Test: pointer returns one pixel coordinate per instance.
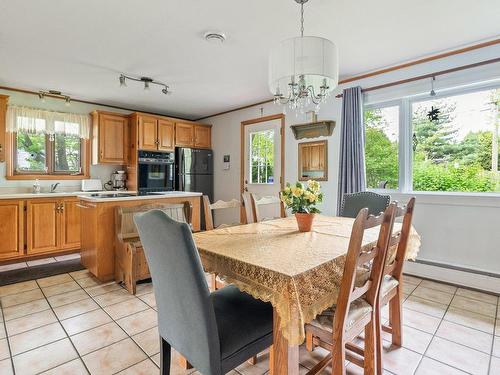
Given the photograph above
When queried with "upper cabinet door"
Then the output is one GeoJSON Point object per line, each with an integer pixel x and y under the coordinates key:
{"type": "Point", "coordinates": [166, 135]}
{"type": "Point", "coordinates": [148, 133]}
{"type": "Point", "coordinates": [11, 229]}
{"type": "Point", "coordinates": [112, 133]}
{"type": "Point", "coordinates": [202, 136]}
{"type": "Point", "coordinates": [184, 134]}
{"type": "Point", "coordinates": [43, 225]}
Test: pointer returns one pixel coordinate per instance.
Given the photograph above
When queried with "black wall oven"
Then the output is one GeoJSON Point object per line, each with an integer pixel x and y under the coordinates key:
{"type": "Point", "coordinates": [155, 171]}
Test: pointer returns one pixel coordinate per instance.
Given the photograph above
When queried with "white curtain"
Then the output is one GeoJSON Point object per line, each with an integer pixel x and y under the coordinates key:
{"type": "Point", "coordinates": [40, 121]}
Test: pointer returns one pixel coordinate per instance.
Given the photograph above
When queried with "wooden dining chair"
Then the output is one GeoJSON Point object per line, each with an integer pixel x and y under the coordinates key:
{"type": "Point", "coordinates": [391, 291]}
{"type": "Point", "coordinates": [337, 327]}
{"type": "Point", "coordinates": [215, 332]}
{"type": "Point", "coordinates": [268, 200]}
{"type": "Point", "coordinates": [246, 199]}
{"type": "Point", "coordinates": [352, 203]}
{"type": "Point", "coordinates": [208, 209]}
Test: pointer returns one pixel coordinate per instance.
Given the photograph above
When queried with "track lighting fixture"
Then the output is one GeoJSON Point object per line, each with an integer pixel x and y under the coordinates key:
{"type": "Point", "coordinates": [42, 94]}
{"type": "Point", "coordinates": [147, 83]}
{"type": "Point", "coordinates": [432, 93]}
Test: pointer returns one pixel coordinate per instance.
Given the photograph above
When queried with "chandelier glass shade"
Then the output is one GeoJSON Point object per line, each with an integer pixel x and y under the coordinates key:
{"type": "Point", "coordinates": [303, 70]}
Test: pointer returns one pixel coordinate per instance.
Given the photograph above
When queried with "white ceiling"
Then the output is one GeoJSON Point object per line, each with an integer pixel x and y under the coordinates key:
{"type": "Point", "coordinates": [81, 47]}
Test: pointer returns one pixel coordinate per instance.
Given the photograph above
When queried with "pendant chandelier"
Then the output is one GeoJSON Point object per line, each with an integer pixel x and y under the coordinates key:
{"type": "Point", "coordinates": [303, 70]}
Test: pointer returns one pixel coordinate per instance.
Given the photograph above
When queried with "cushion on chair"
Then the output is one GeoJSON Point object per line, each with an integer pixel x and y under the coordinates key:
{"type": "Point", "coordinates": [358, 310]}
{"type": "Point", "coordinates": [245, 325]}
{"type": "Point", "coordinates": [388, 284]}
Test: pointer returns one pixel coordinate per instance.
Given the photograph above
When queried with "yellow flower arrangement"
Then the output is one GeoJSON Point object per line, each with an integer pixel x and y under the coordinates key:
{"type": "Point", "coordinates": [302, 198]}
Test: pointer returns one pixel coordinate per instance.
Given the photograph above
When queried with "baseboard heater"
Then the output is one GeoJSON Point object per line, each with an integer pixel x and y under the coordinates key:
{"type": "Point", "coordinates": [456, 268]}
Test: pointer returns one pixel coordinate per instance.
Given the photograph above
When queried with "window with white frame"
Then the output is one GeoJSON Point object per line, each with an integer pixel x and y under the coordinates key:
{"type": "Point", "coordinates": [451, 142]}
{"type": "Point", "coordinates": [262, 157]}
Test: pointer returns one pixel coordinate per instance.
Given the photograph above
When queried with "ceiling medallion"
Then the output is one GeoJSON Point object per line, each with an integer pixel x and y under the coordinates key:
{"type": "Point", "coordinates": [303, 70]}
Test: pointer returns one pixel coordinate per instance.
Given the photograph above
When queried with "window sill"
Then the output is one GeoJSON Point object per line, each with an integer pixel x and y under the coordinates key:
{"type": "Point", "coordinates": [46, 177]}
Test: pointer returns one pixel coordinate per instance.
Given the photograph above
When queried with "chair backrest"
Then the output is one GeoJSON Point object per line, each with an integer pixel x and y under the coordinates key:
{"type": "Point", "coordinates": [219, 205]}
{"type": "Point", "coordinates": [186, 317]}
{"type": "Point", "coordinates": [246, 198]}
{"type": "Point", "coordinates": [394, 264]}
{"type": "Point", "coordinates": [126, 230]}
{"type": "Point", "coordinates": [258, 202]}
{"type": "Point", "coordinates": [359, 256]}
{"type": "Point", "coordinates": [353, 203]}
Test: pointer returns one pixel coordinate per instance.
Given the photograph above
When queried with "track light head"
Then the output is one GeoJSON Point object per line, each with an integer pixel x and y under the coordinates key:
{"type": "Point", "coordinates": [122, 81]}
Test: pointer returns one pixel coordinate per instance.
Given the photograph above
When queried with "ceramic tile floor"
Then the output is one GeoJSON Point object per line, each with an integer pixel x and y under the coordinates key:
{"type": "Point", "coordinates": [72, 324]}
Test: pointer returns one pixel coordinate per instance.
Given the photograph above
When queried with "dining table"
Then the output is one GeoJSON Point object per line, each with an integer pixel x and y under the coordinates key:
{"type": "Point", "coordinates": [299, 273]}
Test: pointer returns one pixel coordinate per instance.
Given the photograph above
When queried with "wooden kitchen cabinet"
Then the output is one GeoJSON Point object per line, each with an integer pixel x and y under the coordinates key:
{"type": "Point", "coordinates": [11, 228]}
{"type": "Point", "coordinates": [43, 225]}
{"type": "Point", "coordinates": [52, 225]}
{"type": "Point", "coordinates": [70, 224]}
{"type": "Point", "coordinates": [184, 134]}
{"type": "Point", "coordinates": [3, 136]}
{"type": "Point", "coordinates": [202, 136]}
{"type": "Point", "coordinates": [148, 133]}
{"type": "Point", "coordinates": [110, 132]}
{"type": "Point", "coordinates": [154, 133]}
{"type": "Point", "coordinates": [166, 135]}
{"type": "Point", "coordinates": [313, 161]}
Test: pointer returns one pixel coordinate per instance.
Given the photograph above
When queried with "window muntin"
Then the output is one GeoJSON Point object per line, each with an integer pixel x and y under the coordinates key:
{"type": "Point", "coordinates": [454, 151]}
{"type": "Point", "coordinates": [48, 154]}
{"type": "Point", "coordinates": [262, 157]}
{"type": "Point", "coordinates": [468, 149]}
{"type": "Point", "coordinates": [382, 147]}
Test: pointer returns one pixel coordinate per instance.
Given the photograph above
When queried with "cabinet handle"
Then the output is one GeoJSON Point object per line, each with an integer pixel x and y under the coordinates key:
{"type": "Point", "coordinates": [81, 206]}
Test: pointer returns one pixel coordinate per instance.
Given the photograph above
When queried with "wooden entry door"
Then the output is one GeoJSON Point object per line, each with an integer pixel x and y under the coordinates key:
{"type": "Point", "coordinates": [263, 158]}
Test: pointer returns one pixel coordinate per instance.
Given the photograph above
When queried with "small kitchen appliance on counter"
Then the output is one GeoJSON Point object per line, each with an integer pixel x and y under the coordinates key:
{"type": "Point", "coordinates": [93, 184]}
{"type": "Point", "coordinates": [118, 181]}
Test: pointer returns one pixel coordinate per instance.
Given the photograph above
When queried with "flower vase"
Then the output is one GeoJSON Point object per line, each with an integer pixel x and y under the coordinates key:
{"type": "Point", "coordinates": [304, 221]}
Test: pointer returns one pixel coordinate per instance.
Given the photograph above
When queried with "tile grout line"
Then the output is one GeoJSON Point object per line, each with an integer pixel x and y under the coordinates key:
{"type": "Point", "coordinates": [7, 339]}
{"type": "Point", "coordinates": [434, 336]}
{"type": "Point", "coordinates": [126, 333]}
{"type": "Point", "coordinates": [493, 339]}
{"type": "Point", "coordinates": [67, 335]}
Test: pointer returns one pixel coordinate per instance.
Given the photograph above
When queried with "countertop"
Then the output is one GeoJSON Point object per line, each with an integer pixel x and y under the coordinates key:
{"type": "Point", "coordinates": [164, 195]}
{"type": "Point", "coordinates": [57, 194]}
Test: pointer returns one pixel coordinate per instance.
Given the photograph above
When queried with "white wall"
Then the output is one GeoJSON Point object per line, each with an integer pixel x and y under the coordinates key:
{"type": "Point", "coordinates": [102, 172]}
{"type": "Point", "coordinates": [459, 229]}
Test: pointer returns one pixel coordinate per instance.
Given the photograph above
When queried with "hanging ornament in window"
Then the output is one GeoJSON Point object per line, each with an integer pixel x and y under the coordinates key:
{"type": "Point", "coordinates": [433, 114]}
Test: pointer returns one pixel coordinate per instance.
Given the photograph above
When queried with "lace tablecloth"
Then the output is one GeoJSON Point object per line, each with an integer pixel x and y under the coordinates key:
{"type": "Point", "coordinates": [299, 273]}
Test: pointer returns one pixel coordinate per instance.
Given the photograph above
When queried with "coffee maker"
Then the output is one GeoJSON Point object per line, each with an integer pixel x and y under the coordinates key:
{"type": "Point", "coordinates": [118, 181]}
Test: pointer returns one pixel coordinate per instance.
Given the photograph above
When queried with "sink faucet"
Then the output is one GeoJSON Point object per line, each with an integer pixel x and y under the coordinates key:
{"type": "Point", "coordinates": [53, 187]}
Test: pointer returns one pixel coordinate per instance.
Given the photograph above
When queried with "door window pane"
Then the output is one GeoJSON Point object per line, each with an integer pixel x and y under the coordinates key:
{"type": "Point", "coordinates": [67, 153]}
{"type": "Point", "coordinates": [262, 157]}
{"type": "Point", "coordinates": [31, 152]}
{"type": "Point", "coordinates": [455, 143]}
{"type": "Point", "coordinates": [381, 147]}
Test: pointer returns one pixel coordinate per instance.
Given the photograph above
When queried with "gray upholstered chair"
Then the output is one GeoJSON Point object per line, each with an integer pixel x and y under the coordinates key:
{"type": "Point", "coordinates": [353, 203]}
{"type": "Point", "coordinates": [216, 331]}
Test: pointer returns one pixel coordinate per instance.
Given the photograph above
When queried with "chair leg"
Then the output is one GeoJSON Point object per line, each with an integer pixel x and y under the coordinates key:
{"type": "Point", "coordinates": [165, 357]}
{"type": "Point", "coordinates": [370, 359]}
{"type": "Point", "coordinates": [213, 282]}
{"type": "Point", "coordinates": [395, 318]}
{"type": "Point", "coordinates": [378, 340]}
{"type": "Point", "coordinates": [338, 358]}
{"type": "Point", "coordinates": [252, 361]}
{"type": "Point", "coordinates": [309, 342]}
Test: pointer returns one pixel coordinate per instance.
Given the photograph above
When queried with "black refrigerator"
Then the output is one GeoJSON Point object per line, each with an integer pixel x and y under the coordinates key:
{"type": "Point", "coordinates": [195, 171]}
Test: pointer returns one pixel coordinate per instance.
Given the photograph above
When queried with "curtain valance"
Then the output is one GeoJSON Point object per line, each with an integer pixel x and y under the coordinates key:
{"type": "Point", "coordinates": [40, 121]}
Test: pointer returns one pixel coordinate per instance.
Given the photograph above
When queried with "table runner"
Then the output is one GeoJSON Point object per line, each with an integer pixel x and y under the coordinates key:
{"type": "Point", "coordinates": [299, 273]}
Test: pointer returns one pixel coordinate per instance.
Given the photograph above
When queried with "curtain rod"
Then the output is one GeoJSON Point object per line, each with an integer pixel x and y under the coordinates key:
{"type": "Point", "coordinates": [429, 75]}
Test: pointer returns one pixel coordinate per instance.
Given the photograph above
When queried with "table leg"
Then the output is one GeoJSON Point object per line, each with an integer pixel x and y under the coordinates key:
{"type": "Point", "coordinates": [284, 358]}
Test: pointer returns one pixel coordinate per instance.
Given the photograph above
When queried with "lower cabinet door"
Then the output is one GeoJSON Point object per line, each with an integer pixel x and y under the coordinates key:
{"type": "Point", "coordinates": [11, 229]}
{"type": "Point", "coordinates": [43, 225]}
{"type": "Point", "coordinates": [70, 224]}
